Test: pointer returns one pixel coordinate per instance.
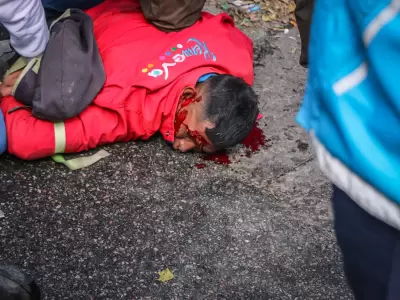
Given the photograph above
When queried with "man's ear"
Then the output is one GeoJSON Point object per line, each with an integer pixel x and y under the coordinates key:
{"type": "Point", "coordinates": [188, 93]}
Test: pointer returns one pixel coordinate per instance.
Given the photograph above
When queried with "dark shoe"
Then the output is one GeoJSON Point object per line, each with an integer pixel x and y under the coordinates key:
{"type": "Point", "coordinates": [7, 54]}
{"type": "Point", "coordinates": [16, 285]}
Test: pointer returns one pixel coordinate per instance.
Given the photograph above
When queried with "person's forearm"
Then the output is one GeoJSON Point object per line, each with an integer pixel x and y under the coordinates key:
{"type": "Point", "coordinates": [26, 22]}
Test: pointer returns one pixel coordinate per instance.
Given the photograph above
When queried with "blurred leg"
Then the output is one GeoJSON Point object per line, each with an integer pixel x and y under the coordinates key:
{"type": "Point", "coordinates": [370, 248]}
{"type": "Point", "coordinates": [303, 13]}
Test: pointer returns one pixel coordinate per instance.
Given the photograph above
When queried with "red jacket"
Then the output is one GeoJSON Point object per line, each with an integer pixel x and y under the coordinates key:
{"type": "Point", "coordinates": [147, 70]}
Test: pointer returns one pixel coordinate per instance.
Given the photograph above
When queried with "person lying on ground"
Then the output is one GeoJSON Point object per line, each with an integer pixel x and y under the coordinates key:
{"type": "Point", "coordinates": [193, 86]}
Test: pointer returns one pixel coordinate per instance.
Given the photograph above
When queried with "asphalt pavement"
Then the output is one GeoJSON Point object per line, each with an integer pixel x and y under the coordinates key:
{"type": "Point", "coordinates": [258, 228]}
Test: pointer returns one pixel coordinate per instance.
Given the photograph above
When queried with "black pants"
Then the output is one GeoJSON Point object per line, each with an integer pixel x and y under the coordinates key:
{"type": "Point", "coordinates": [370, 248]}
{"type": "Point", "coordinates": [303, 13]}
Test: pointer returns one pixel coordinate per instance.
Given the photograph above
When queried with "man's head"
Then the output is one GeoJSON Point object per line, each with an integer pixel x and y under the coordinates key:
{"type": "Point", "coordinates": [219, 113]}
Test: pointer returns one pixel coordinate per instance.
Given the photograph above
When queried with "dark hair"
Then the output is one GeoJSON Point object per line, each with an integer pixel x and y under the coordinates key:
{"type": "Point", "coordinates": [232, 105]}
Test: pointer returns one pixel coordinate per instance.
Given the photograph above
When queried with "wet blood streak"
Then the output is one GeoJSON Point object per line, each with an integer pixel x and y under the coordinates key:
{"type": "Point", "coordinates": [220, 158]}
{"type": "Point", "coordinates": [253, 143]}
{"type": "Point", "coordinates": [189, 100]}
{"type": "Point", "coordinates": [186, 102]}
{"type": "Point", "coordinates": [201, 141]}
{"type": "Point", "coordinates": [180, 118]}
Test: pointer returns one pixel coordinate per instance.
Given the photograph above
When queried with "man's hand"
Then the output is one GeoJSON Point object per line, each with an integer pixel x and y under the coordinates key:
{"type": "Point", "coordinates": [8, 84]}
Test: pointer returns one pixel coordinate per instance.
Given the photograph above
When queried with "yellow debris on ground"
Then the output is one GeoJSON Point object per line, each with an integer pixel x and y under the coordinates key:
{"type": "Point", "coordinates": [165, 275]}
